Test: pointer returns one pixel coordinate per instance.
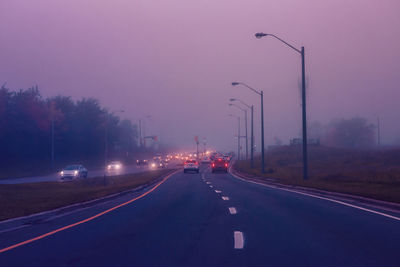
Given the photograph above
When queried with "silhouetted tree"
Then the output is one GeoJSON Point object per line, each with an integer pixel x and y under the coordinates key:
{"type": "Point", "coordinates": [351, 133]}
{"type": "Point", "coordinates": [79, 128]}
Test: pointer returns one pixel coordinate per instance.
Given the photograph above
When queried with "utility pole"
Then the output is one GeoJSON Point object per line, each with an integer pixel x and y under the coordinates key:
{"type": "Point", "coordinates": [304, 116]}
{"type": "Point", "coordinates": [379, 130]}
{"type": "Point", "coordinates": [238, 137]}
{"type": "Point", "coordinates": [252, 138]}
{"type": "Point", "coordinates": [52, 135]}
{"type": "Point", "coordinates": [140, 133]}
{"type": "Point", "coordinates": [262, 134]}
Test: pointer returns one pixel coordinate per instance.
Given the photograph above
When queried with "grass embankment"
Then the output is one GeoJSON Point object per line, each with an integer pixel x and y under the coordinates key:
{"type": "Point", "coordinates": [369, 173]}
{"type": "Point", "coordinates": [25, 199]}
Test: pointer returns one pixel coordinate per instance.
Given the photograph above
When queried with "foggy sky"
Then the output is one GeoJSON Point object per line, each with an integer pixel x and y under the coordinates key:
{"type": "Point", "coordinates": [175, 60]}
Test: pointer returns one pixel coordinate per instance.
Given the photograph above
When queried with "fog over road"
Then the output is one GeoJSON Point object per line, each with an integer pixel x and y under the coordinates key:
{"type": "Point", "coordinates": [210, 220]}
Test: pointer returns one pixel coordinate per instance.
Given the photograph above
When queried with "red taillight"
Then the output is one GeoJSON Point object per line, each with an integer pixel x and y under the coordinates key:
{"type": "Point", "coordinates": [213, 165]}
{"type": "Point", "coordinates": [226, 164]}
{"type": "Point", "coordinates": [197, 163]}
{"type": "Point", "coordinates": [219, 159]}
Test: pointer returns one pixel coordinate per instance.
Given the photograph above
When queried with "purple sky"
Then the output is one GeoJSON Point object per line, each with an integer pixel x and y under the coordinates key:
{"type": "Point", "coordinates": [175, 60]}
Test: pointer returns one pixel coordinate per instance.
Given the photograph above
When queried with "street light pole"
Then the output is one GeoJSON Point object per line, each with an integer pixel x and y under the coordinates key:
{"type": "Point", "coordinates": [252, 138]}
{"type": "Point", "coordinates": [245, 122]}
{"type": "Point", "coordinates": [106, 138]}
{"type": "Point", "coordinates": [303, 98]}
{"type": "Point", "coordinates": [261, 94]}
{"type": "Point", "coordinates": [238, 137]}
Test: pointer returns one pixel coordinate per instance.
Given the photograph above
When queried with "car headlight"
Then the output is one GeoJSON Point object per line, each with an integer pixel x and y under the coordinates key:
{"type": "Point", "coordinates": [109, 167]}
{"type": "Point", "coordinates": [62, 172]}
{"type": "Point", "coordinates": [75, 172]}
{"type": "Point", "coordinates": [153, 165]}
{"type": "Point", "coordinates": [117, 166]}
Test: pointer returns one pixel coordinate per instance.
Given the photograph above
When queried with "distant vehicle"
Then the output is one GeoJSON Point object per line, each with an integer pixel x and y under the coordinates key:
{"type": "Point", "coordinates": [157, 164]}
{"type": "Point", "coordinates": [190, 165]}
{"type": "Point", "coordinates": [227, 158]}
{"type": "Point", "coordinates": [74, 171]}
{"type": "Point", "coordinates": [142, 162]}
{"type": "Point", "coordinates": [206, 160]}
{"type": "Point", "coordinates": [114, 166]}
{"type": "Point", "coordinates": [219, 164]}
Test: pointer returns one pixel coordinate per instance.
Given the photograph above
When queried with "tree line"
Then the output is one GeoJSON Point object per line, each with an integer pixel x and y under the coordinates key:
{"type": "Point", "coordinates": [29, 123]}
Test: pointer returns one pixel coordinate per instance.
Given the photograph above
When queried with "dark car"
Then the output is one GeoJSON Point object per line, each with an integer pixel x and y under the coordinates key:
{"type": "Point", "coordinates": [142, 162]}
{"type": "Point", "coordinates": [219, 164]}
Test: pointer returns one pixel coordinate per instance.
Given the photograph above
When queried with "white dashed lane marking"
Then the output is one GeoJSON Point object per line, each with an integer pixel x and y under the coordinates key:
{"type": "Point", "coordinates": [239, 241]}
{"type": "Point", "coordinates": [232, 210]}
{"type": "Point", "coordinates": [225, 198]}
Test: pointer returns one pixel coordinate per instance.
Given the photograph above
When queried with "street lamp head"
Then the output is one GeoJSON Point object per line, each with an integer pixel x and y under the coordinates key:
{"type": "Point", "coordinates": [235, 83]}
{"type": "Point", "coordinates": [232, 99]}
{"type": "Point", "coordinates": [260, 35]}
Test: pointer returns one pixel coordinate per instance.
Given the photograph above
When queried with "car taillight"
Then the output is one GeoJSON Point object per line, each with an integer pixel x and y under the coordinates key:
{"type": "Point", "coordinates": [226, 164]}
{"type": "Point", "coordinates": [213, 165]}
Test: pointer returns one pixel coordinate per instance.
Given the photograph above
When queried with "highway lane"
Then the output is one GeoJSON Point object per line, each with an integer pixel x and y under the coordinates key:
{"type": "Point", "coordinates": [187, 222]}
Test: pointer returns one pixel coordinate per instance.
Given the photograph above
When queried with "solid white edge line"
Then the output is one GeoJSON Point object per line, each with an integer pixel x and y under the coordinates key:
{"type": "Point", "coordinates": [324, 198]}
{"type": "Point", "coordinates": [239, 241]}
{"type": "Point", "coordinates": [232, 210]}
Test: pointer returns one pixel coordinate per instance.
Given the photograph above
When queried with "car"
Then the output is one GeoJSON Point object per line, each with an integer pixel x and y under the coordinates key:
{"type": "Point", "coordinates": [219, 164]}
{"type": "Point", "coordinates": [206, 160]}
{"type": "Point", "coordinates": [190, 165]}
{"type": "Point", "coordinates": [114, 166]}
{"type": "Point", "coordinates": [142, 162]}
{"type": "Point", "coordinates": [157, 164]}
{"type": "Point", "coordinates": [74, 171]}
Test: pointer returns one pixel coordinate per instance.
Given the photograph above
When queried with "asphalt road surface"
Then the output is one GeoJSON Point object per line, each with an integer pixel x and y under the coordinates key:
{"type": "Point", "coordinates": [208, 220]}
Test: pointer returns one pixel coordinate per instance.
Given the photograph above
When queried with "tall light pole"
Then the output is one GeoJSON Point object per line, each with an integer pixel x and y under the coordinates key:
{"type": "Point", "coordinates": [303, 98]}
{"type": "Point", "coordinates": [142, 133]}
{"type": "Point", "coordinates": [245, 125]}
{"type": "Point", "coordinates": [238, 137]}
{"type": "Point", "coordinates": [106, 137]}
{"type": "Point", "coordinates": [261, 94]}
{"type": "Point", "coordinates": [378, 126]}
{"type": "Point", "coordinates": [252, 129]}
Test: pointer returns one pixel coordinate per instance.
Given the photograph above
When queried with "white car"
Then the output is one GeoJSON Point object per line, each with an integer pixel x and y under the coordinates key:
{"type": "Point", "coordinates": [114, 166]}
{"type": "Point", "coordinates": [190, 165]}
{"type": "Point", "coordinates": [74, 171]}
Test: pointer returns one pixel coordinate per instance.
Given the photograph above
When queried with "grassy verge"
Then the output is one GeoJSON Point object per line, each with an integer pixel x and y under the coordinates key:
{"type": "Point", "coordinates": [373, 173]}
{"type": "Point", "coordinates": [25, 199]}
